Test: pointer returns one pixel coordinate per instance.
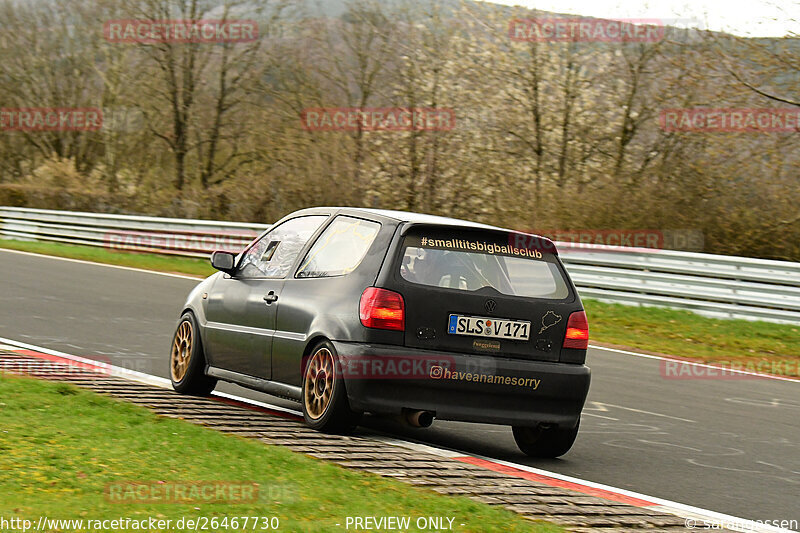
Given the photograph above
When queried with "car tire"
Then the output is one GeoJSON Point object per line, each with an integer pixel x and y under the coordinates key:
{"type": "Point", "coordinates": [187, 360]}
{"type": "Point", "coordinates": [543, 443]}
{"type": "Point", "coordinates": [325, 405]}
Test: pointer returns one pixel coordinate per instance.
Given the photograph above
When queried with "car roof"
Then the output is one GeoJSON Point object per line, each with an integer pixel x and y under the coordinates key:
{"type": "Point", "coordinates": [413, 218]}
{"type": "Point", "coordinates": [406, 216]}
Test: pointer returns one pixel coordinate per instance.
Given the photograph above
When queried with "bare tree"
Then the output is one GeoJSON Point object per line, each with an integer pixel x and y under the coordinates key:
{"type": "Point", "coordinates": [180, 87]}
{"type": "Point", "coordinates": [355, 54]}
{"type": "Point", "coordinates": [49, 64]}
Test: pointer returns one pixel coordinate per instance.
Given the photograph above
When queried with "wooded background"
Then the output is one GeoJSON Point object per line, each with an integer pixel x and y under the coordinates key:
{"type": "Point", "coordinates": [548, 135]}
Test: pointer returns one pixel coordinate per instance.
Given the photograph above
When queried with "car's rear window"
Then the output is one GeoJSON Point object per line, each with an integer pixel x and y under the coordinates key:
{"type": "Point", "coordinates": [471, 263]}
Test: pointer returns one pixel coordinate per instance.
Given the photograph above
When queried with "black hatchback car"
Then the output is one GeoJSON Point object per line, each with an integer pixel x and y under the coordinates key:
{"type": "Point", "coordinates": [352, 310]}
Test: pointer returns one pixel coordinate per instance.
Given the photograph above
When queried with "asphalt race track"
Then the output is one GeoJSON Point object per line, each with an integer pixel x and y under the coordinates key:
{"type": "Point", "coordinates": [731, 446]}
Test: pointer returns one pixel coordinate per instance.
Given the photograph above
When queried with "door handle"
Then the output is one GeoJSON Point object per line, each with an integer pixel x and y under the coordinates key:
{"type": "Point", "coordinates": [271, 297]}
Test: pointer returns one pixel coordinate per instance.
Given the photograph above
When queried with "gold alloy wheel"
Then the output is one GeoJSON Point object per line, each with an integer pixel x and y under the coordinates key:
{"type": "Point", "coordinates": [318, 389]}
{"type": "Point", "coordinates": [181, 351]}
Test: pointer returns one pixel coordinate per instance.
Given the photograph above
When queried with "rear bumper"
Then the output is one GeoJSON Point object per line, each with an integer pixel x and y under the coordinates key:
{"type": "Point", "coordinates": [471, 388]}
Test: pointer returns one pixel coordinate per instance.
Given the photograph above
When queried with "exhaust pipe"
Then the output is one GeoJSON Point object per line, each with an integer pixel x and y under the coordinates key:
{"type": "Point", "coordinates": [419, 419]}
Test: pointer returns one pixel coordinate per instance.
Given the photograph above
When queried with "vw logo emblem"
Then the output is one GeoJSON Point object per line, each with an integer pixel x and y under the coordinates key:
{"type": "Point", "coordinates": [490, 305]}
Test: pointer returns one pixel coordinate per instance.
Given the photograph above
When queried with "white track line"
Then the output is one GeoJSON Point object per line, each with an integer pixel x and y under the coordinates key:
{"type": "Point", "coordinates": [95, 263]}
{"type": "Point", "coordinates": [694, 363]}
{"type": "Point", "coordinates": [704, 518]}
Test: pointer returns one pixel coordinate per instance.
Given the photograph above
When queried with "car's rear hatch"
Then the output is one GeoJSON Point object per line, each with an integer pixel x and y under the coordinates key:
{"type": "Point", "coordinates": [472, 290]}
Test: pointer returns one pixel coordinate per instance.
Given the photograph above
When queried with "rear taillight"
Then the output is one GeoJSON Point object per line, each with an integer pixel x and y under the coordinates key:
{"type": "Point", "coordinates": [577, 335]}
{"type": "Point", "coordinates": [382, 309]}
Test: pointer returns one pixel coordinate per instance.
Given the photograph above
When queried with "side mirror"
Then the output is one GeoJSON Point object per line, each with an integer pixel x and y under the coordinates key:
{"type": "Point", "coordinates": [224, 261]}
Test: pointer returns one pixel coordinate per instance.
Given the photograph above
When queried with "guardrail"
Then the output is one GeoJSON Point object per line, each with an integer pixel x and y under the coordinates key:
{"type": "Point", "coordinates": [713, 285]}
{"type": "Point", "coordinates": [174, 236]}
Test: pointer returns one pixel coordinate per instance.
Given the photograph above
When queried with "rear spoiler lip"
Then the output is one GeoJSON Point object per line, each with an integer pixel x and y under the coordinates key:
{"type": "Point", "coordinates": [530, 241]}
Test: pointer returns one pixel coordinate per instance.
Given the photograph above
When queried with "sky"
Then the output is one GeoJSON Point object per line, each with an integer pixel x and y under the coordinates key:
{"type": "Point", "coordinates": [756, 18]}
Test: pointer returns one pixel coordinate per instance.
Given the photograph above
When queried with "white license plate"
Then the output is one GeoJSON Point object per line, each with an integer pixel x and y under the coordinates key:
{"type": "Point", "coordinates": [495, 328]}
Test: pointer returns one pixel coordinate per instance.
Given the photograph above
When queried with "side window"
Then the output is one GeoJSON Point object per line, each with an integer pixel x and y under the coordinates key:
{"type": "Point", "coordinates": [340, 248]}
{"type": "Point", "coordinates": [274, 254]}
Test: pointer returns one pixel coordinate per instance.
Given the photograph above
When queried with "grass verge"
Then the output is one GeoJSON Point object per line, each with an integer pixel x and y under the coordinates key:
{"type": "Point", "coordinates": [756, 346]}
{"type": "Point", "coordinates": [160, 263]}
{"type": "Point", "coordinates": [61, 446]}
{"type": "Point", "coordinates": [759, 346]}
